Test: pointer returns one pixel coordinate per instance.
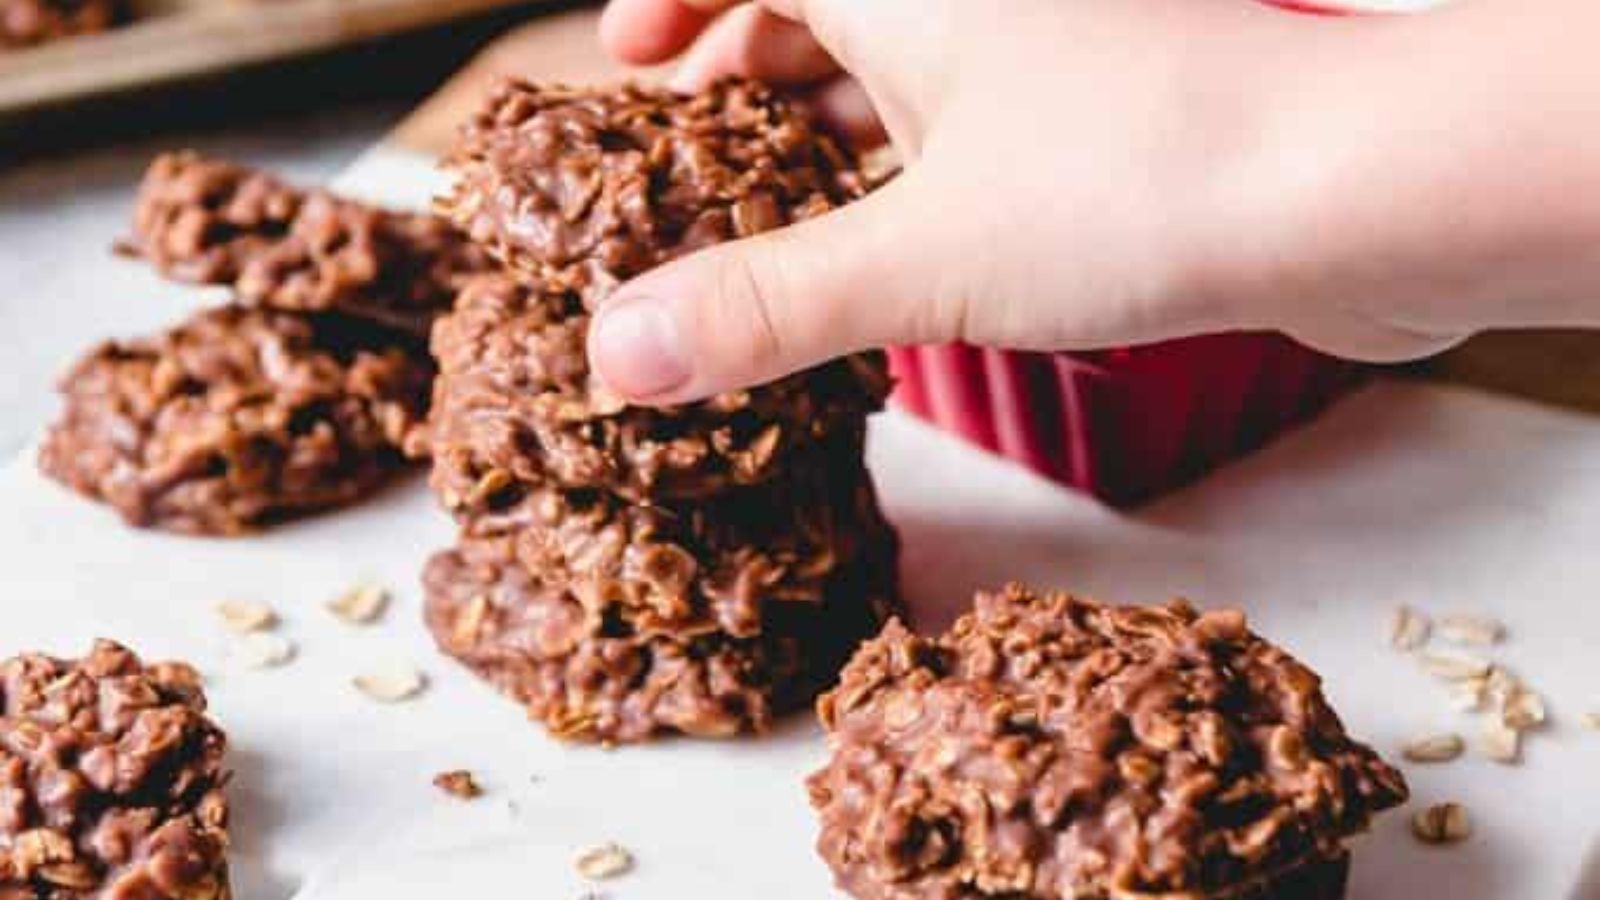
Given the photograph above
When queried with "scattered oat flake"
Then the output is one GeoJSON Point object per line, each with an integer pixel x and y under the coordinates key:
{"type": "Point", "coordinates": [603, 862]}
{"type": "Point", "coordinates": [1500, 679]}
{"type": "Point", "coordinates": [1452, 667]}
{"type": "Point", "coordinates": [391, 685]}
{"type": "Point", "coordinates": [1500, 743]}
{"type": "Point", "coordinates": [1434, 748]}
{"type": "Point", "coordinates": [1408, 629]}
{"type": "Point", "coordinates": [1523, 710]}
{"type": "Point", "coordinates": [245, 616]}
{"type": "Point", "coordinates": [1591, 721]}
{"type": "Point", "coordinates": [1469, 695]}
{"type": "Point", "coordinates": [361, 604]}
{"type": "Point", "coordinates": [1477, 631]}
{"type": "Point", "coordinates": [458, 783]}
{"type": "Point", "coordinates": [1442, 823]}
{"type": "Point", "coordinates": [265, 650]}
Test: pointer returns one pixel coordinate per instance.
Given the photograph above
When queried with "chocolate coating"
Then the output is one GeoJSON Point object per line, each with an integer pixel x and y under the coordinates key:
{"type": "Point", "coordinates": [692, 568]}
{"type": "Point", "coordinates": [1051, 747]}
{"type": "Point", "coordinates": [26, 23]}
{"type": "Point", "coordinates": [627, 571]}
{"type": "Point", "coordinates": [206, 221]}
{"type": "Point", "coordinates": [516, 401]}
{"type": "Point", "coordinates": [584, 187]}
{"type": "Point", "coordinates": [236, 418]}
{"type": "Point", "coordinates": [604, 681]}
{"type": "Point", "coordinates": [111, 781]}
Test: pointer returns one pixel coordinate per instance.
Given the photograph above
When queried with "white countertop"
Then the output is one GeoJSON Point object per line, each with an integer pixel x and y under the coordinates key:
{"type": "Point", "coordinates": [1444, 499]}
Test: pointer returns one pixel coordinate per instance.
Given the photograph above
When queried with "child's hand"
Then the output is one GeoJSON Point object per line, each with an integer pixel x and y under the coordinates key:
{"type": "Point", "coordinates": [1083, 173]}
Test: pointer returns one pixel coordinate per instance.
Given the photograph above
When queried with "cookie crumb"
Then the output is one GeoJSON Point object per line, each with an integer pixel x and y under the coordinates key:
{"type": "Point", "coordinates": [1442, 823]}
{"type": "Point", "coordinates": [458, 783]}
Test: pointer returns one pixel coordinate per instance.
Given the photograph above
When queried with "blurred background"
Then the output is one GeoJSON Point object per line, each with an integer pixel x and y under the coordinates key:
{"type": "Point", "coordinates": [88, 94]}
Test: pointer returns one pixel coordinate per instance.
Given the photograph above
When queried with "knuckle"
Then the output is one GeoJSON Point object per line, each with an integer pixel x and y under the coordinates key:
{"type": "Point", "coordinates": [746, 311]}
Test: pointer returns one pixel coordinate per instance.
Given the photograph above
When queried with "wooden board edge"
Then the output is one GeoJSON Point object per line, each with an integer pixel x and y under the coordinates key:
{"type": "Point", "coordinates": [211, 40]}
{"type": "Point", "coordinates": [1561, 368]}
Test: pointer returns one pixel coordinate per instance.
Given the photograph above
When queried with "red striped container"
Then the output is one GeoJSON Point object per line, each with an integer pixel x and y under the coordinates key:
{"type": "Point", "coordinates": [1127, 425]}
{"type": "Point", "coordinates": [1124, 425]}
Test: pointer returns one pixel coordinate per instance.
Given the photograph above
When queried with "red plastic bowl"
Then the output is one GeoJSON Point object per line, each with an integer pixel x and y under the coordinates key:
{"type": "Point", "coordinates": [1123, 425]}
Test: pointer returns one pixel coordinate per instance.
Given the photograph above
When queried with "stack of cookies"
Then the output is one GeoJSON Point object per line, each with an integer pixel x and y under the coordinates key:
{"type": "Point", "coordinates": [297, 394]}
{"type": "Point", "coordinates": [629, 571]}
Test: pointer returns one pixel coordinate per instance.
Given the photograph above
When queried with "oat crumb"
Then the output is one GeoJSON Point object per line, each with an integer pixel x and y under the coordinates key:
{"type": "Point", "coordinates": [458, 783]}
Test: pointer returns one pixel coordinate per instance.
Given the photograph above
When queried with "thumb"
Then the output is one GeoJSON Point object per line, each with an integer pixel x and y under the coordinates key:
{"type": "Point", "coordinates": [750, 311]}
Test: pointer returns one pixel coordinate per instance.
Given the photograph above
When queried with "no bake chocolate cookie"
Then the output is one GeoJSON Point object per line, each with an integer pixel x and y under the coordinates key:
{"type": "Point", "coordinates": [717, 565]}
{"type": "Point", "coordinates": [206, 221]}
{"type": "Point", "coordinates": [111, 781]}
{"type": "Point", "coordinates": [605, 681]}
{"type": "Point", "coordinates": [584, 187]}
{"type": "Point", "coordinates": [1051, 747]}
{"type": "Point", "coordinates": [236, 418]}
{"type": "Point", "coordinates": [25, 23]}
{"type": "Point", "coordinates": [516, 401]}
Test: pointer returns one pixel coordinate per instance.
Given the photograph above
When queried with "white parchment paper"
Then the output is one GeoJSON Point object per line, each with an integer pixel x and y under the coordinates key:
{"type": "Point", "coordinates": [1443, 499]}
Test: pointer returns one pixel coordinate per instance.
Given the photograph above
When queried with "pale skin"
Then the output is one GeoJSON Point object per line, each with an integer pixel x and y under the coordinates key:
{"type": "Point", "coordinates": [1090, 173]}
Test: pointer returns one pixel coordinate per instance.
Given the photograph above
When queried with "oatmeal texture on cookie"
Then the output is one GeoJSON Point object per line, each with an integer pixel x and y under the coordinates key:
{"type": "Point", "coordinates": [587, 186]}
{"type": "Point", "coordinates": [111, 781]}
{"type": "Point", "coordinates": [516, 405]}
{"type": "Point", "coordinates": [206, 221]}
{"type": "Point", "coordinates": [236, 418]}
{"type": "Point", "coordinates": [1048, 746]}
{"type": "Point", "coordinates": [596, 677]}
{"type": "Point", "coordinates": [713, 565]}
{"type": "Point", "coordinates": [632, 571]}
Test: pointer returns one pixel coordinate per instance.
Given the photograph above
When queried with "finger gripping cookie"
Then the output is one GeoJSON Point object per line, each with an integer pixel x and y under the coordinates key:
{"type": "Point", "coordinates": [517, 402]}
{"type": "Point", "coordinates": [587, 187]}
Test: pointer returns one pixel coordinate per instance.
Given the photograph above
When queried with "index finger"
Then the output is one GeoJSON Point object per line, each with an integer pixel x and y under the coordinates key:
{"type": "Point", "coordinates": [643, 32]}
